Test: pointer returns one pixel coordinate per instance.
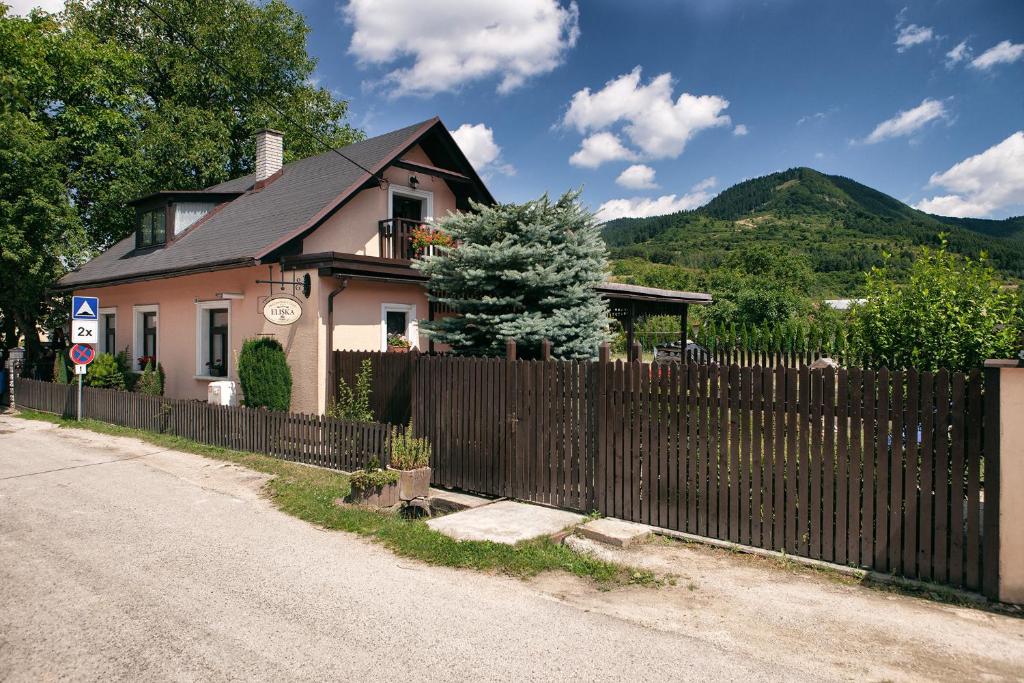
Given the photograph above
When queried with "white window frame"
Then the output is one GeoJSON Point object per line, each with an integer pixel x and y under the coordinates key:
{"type": "Point", "coordinates": [403, 191]}
{"type": "Point", "coordinates": [411, 324]}
{"type": "Point", "coordinates": [137, 344]}
{"type": "Point", "coordinates": [203, 334]}
{"type": "Point", "coordinates": [101, 343]}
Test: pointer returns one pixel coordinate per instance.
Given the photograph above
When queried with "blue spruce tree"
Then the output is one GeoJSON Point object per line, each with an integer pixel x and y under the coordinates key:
{"type": "Point", "coordinates": [521, 271]}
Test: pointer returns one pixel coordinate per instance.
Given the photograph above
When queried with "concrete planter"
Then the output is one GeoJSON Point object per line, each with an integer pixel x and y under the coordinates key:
{"type": "Point", "coordinates": [413, 484]}
{"type": "Point", "coordinates": [379, 496]}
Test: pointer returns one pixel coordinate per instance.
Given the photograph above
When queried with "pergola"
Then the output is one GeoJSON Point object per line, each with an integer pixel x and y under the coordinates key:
{"type": "Point", "coordinates": [628, 303]}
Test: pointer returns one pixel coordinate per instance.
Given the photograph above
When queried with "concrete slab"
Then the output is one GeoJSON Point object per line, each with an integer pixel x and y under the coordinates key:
{"type": "Point", "coordinates": [616, 532]}
{"type": "Point", "coordinates": [504, 522]}
{"type": "Point", "coordinates": [452, 501]}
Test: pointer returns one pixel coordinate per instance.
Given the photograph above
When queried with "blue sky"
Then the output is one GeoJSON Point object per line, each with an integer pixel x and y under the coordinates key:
{"type": "Point", "coordinates": [922, 99]}
{"type": "Point", "coordinates": [809, 79]}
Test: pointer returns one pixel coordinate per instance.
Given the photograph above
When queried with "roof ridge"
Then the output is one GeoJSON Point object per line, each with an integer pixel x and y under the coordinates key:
{"type": "Point", "coordinates": [333, 150]}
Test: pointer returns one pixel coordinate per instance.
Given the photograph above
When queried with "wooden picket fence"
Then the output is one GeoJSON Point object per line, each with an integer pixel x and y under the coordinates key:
{"type": "Point", "coordinates": [878, 469]}
{"type": "Point", "coordinates": [391, 388]}
{"type": "Point", "coordinates": [309, 439]}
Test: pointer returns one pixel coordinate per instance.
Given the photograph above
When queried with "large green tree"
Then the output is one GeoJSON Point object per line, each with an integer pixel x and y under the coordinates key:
{"type": "Point", "coordinates": [953, 312]}
{"type": "Point", "coordinates": [758, 284]}
{"type": "Point", "coordinates": [114, 99]}
{"type": "Point", "coordinates": [521, 271]}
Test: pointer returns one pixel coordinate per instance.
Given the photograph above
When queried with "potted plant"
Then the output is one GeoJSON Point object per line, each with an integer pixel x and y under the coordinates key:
{"type": "Point", "coordinates": [410, 459]}
{"type": "Point", "coordinates": [374, 486]}
{"type": "Point", "coordinates": [397, 343]}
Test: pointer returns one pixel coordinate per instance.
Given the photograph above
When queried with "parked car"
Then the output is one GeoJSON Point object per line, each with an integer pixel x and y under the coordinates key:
{"type": "Point", "coordinates": [668, 353]}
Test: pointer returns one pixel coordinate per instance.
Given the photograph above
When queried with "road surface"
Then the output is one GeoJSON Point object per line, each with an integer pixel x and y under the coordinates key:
{"type": "Point", "coordinates": [122, 560]}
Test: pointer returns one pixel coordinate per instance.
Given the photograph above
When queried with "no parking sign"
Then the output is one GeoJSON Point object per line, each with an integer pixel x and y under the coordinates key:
{"type": "Point", "coordinates": [82, 354]}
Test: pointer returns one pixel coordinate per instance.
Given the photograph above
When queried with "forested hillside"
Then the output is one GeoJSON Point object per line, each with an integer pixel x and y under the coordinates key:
{"type": "Point", "coordinates": [836, 227]}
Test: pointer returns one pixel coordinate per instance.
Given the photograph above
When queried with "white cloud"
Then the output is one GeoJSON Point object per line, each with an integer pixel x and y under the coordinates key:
{"type": "Point", "coordinates": [23, 7]}
{"type": "Point", "coordinates": [983, 183]}
{"type": "Point", "coordinates": [637, 177]}
{"type": "Point", "coordinates": [599, 148]}
{"type": "Point", "coordinates": [907, 122]}
{"type": "Point", "coordinates": [912, 35]}
{"type": "Point", "coordinates": [640, 207]}
{"type": "Point", "coordinates": [658, 125]}
{"type": "Point", "coordinates": [958, 54]}
{"type": "Point", "coordinates": [740, 129]}
{"type": "Point", "coordinates": [452, 42]}
{"type": "Point", "coordinates": [1003, 53]}
{"type": "Point", "coordinates": [477, 142]}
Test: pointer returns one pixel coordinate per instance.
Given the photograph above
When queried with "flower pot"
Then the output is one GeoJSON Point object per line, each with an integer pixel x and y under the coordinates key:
{"type": "Point", "coordinates": [413, 484]}
{"type": "Point", "coordinates": [398, 349]}
{"type": "Point", "coordinates": [375, 496]}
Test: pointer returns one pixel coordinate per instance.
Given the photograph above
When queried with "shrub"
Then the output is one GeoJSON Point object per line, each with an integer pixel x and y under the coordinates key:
{"type": "Point", "coordinates": [104, 373]}
{"type": "Point", "coordinates": [407, 451]}
{"type": "Point", "coordinates": [151, 381]}
{"type": "Point", "coordinates": [354, 404]}
{"type": "Point", "coordinates": [264, 373]}
{"type": "Point", "coordinates": [954, 312]}
{"type": "Point", "coordinates": [60, 369]}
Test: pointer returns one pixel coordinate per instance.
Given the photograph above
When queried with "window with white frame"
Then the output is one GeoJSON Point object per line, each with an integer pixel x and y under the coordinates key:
{"type": "Point", "coordinates": [398, 319]}
{"type": "Point", "coordinates": [108, 330]}
{"type": "Point", "coordinates": [145, 329]}
{"type": "Point", "coordinates": [213, 338]}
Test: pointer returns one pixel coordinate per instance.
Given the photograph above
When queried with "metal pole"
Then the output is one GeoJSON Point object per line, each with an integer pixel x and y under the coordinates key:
{"type": "Point", "coordinates": [79, 398]}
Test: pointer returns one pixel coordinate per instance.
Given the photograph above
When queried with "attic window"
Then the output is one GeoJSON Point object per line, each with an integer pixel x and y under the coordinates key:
{"type": "Point", "coordinates": [152, 228]}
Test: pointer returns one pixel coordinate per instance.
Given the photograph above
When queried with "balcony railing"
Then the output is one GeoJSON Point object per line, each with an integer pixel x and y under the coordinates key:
{"type": "Point", "coordinates": [395, 235]}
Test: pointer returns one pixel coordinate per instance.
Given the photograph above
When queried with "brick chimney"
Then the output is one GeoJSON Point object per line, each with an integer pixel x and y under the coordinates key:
{"type": "Point", "coordinates": [269, 153]}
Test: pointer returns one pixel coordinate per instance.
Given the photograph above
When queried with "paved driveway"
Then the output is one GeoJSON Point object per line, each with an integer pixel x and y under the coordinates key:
{"type": "Point", "coordinates": [122, 560]}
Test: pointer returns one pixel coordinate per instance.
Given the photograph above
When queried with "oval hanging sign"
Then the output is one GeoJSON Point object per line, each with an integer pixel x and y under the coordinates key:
{"type": "Point", "coordinates": [282, 310]}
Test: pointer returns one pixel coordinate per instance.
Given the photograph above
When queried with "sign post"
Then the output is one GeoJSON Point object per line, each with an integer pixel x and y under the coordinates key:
{"type": "Point", "coordinates": [85, 315]}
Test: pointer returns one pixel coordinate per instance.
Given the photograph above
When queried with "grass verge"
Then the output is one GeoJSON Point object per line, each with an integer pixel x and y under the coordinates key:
{"type": "Point", "coordinates": [309, 494]}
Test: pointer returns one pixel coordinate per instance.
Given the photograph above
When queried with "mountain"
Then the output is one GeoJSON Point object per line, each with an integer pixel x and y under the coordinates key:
{"type": "Point", "coordinates": [840, 225]}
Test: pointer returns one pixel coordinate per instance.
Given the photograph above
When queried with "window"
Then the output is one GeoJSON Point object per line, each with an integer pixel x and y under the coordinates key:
{"type": "Point", "coordinates": [152, 228]}
{"type": "Point", "coordinates": [145, 335]}
{"type": "Point", "coordinates": [213, 338]}
{"type": "Point", "coordinates": [108, 330]}
{"type": "Point", "coordinates": [398, 319]}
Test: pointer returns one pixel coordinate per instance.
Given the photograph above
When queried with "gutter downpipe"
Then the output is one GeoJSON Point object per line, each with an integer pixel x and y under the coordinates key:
{"type": "Point", "coordinates": [332, 381]}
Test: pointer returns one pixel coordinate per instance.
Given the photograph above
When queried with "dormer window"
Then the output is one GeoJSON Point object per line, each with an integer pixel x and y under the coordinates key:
{"type": "Point", "coordinates": [152, 228]}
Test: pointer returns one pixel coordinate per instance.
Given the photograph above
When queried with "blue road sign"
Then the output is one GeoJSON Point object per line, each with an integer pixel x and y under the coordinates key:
{"type": "Point", "coordinates": [85, 308]}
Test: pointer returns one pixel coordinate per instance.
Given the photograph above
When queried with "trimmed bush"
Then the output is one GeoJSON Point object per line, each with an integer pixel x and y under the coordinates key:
{"type": "Point", "coordinates": [264, 373]}
{"type": "Point", "coordinates": [60, 369]}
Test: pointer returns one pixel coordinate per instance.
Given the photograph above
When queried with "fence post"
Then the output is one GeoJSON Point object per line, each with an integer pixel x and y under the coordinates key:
{"type": "Point", "coordinates": [596, 419]}
{"type": "Point", "coordinates": [636, 351]}
{"type": "Point", "coordinates": [13, 368]}
{"type": "Point", "coordinates": [1004, 477]}
{"type": "Point", "coordinates": [545, 349]}
{"type": "Point", "coordinates": [510, 349]}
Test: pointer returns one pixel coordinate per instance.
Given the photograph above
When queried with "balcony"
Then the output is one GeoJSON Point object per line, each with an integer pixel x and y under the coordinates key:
{"type": "Point", "coordinates": [395, 237]}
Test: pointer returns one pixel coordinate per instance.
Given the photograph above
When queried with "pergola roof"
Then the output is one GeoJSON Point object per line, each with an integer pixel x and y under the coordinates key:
{"type": "Point", "coordinates": [632, 301]}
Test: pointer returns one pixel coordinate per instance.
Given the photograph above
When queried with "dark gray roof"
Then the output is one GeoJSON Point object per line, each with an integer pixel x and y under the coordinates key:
{"type": "Point", "coordinates": [619, 290]}
{"type": "Point", "coordinates": [255, 223]}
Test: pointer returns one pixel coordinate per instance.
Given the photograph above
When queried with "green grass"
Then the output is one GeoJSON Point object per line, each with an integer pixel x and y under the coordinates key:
{"type": "Point", "coordinates": [309, 494]}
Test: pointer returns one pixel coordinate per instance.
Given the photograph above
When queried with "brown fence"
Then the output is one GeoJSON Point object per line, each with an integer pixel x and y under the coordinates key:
{"type": "Point", "coordinates": [310, 439]}
{"type": "Point", "coordinates": [877, 469]}
{"type": "Point", "coordinates": [391, 391]}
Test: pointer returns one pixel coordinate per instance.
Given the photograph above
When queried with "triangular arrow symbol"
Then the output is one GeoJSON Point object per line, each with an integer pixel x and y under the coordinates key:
{"type": "Point", "coordinates": [85, 309]}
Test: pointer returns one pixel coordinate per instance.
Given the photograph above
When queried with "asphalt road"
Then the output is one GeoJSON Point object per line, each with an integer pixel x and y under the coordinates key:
{"type": "Point", "coordinates": [122, 561]}
{"type": "Point", "coordinates": [119, 560]}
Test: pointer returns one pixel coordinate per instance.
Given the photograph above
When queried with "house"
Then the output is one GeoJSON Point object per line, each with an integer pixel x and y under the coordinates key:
{"type": "Point", "coordinates": [315, 253]}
